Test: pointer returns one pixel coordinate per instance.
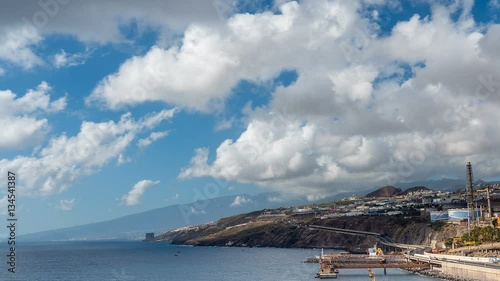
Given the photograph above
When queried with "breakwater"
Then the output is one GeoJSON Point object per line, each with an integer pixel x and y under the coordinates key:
{"type": "Point", "coordinates": [459, 268]}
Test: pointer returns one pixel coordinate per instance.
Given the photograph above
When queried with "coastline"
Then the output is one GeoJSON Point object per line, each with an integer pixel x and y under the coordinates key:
{"type": "Point", "coordinates": [435, 274]}
{"type": "Point", "coordinates": [340, 248]}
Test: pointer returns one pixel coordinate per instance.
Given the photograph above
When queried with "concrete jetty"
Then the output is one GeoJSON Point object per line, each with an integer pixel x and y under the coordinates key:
{"type": "Point", "coordinates": [481, 269]}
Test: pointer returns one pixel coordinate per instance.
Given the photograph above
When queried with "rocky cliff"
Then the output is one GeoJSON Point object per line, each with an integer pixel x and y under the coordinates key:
{"type": "Point", "coordinates": [247, 230]}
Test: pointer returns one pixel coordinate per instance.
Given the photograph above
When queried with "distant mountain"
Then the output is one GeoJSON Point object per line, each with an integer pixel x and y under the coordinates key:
{"type": "Point", "coordinates": [441, 184]}
{"type": "Point", "coordinates": [386, 191]}
{"type": "Point", "coordinates": [163, 219]}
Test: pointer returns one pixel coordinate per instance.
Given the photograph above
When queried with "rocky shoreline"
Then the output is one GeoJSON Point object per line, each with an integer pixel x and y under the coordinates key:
{"type": "Point", "coordinates": [438, 275]}
{"type": "Point", "coordinates": [244, 230]}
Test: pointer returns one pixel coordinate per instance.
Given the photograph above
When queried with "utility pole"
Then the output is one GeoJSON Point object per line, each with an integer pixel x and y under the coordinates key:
{"type": "Point", "coordinates": [472, 197]}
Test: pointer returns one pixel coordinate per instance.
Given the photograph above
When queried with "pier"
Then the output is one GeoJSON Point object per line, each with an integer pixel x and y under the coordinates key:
{"type": "Point", "coordinates": [342, 261]}
{"type": "Point", "coordinates": [329, 265]}
{"type": "Point", "coordinates": [483, 269]}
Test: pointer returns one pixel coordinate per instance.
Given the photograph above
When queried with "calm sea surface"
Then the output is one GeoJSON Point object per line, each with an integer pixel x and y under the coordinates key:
{"type": "Point", "coordinates": [138, 261]}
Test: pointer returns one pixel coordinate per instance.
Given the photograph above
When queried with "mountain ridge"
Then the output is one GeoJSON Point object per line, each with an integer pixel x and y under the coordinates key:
{"type": "Point", "coordinates": [158, 220]}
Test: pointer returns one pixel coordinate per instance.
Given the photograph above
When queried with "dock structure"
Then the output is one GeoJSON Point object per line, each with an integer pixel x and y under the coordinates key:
{"type": "Point", "coordinates": [342, 261]}
{"type": "Point", "coordinates": [416, 257]}
{"type": "Point", "coordinates": [484, 269]}
{"type": "Point", "coordinates": [330, 264]}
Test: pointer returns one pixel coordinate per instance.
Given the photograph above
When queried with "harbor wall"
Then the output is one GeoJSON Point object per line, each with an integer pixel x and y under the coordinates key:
{"type": "Point", "coordinates": [471, 272]}
{"type": "Point", "coordinates": [461, 268]}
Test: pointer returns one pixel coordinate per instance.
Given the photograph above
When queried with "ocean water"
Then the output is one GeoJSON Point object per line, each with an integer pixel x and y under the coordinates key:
{"type": "Point", "coordinates": [139, 261]}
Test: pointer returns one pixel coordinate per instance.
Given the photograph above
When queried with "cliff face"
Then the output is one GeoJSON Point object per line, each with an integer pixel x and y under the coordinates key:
{"type": "Point", "coordinates": [291, 232]}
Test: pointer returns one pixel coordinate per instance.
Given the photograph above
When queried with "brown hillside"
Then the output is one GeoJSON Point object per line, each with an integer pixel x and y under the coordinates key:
{"type": "Point", "coordinates": [386, 191]}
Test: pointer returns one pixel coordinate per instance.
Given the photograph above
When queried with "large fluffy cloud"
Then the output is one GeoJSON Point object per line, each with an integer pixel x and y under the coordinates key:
{"type": "Point", "coordinates": [24, 24]}
{"type": "Point", "coordinates": [54, 167]}
{"type": "Point", "coordinates": [417, 103]}
{"type": "Point", "coordinates": [101, 21]}
{"type": "Point", "coordinates": [19, 115]}
{"type": "Point", "coordinates": [200, 72]}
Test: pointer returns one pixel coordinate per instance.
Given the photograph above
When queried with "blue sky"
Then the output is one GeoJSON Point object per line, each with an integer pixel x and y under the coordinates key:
{"type": "Point", "coordinates": [308, 98]}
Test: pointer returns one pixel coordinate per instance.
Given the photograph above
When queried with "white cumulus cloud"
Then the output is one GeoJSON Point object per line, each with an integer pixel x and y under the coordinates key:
{"type": "Point", "coordinates": [417, 102]}
{"type": "Point", "coordinates": [367, 110]}
{"type": "Point", "coordinates": [134, 195]}
{"type": "Point", "coordinates": [63, 59]}
{"type": "Point", "coordinates": [240, 200]}
{"type": "Point", "coordinates": [16, 43]}
{"type": "Point", "coordinates": [66, 205]}
{"type": "Point", "coordinates": [154, 136]}
{"type": "Point", "coordinates": [19, 115]}
{"type": "Point", "coordinates": [123, 159]}
{"type": "Point", "coordinates": [64, 159]}
{"type": "Point", "coordinates": [200, 72]}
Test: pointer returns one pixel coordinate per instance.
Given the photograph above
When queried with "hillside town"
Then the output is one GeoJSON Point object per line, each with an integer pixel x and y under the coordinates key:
{"type": "Point", "coordinates": [419, 201]}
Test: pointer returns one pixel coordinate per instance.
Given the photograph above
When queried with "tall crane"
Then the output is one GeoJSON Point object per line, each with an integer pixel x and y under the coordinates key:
{"type": "Point", "coordinates": [472, 196]}
{"type": "Point", "coordinates": [488, 199]}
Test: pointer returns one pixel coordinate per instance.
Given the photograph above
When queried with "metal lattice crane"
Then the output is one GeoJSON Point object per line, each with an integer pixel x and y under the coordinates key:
{"type": "Point", "coordinates": [472, 194]}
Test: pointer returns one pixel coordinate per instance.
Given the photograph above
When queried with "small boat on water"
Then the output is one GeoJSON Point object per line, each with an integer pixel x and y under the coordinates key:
{"type": "Point", "coordinates": [326, 275]}
{"type": "Point", "coordinates": [312, 260]}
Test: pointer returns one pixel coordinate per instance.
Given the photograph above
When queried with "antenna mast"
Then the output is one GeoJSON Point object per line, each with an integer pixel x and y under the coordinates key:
{"type": "Point", "coordinates": [490, 217]}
